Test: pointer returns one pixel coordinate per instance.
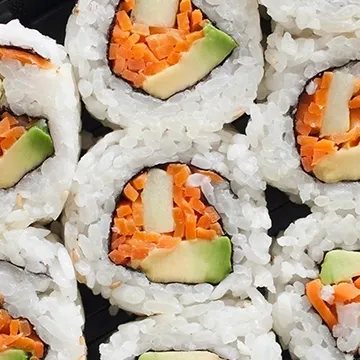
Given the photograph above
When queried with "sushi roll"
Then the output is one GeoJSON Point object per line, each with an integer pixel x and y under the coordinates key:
{"type": "Point", "coordinates": [218, 330]}
{"type": "Point", "coordinates": [138, 62]}
{"type": "Point", "coordinates": [39, 126]}
{"type": "Point", "coordinates": [40, 317]}
{"type": "Point", "coordinates": [316, 270]}
{"type": "Point", "coordinates": [306, 135]}
{"type": "Point", "coordinates": [154, 229]}
{"type": "Point", "coordinates": [321, 17]}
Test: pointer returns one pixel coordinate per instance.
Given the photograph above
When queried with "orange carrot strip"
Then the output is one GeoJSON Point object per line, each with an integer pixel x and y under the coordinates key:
{"type": "Point", "coordinates": [168, 242]}
{"type": "Point", "coordinates": [127, 5]}
{"type": "Point", "coordinates": [162, 52]}
{"type": "Point", "coordinates": [182, 46]}
{"type": "Point", "coordinates": [196, 19]}
{"type": "Point", "coordinates": [313, 292]}
{"type": "Point", "coordinates": [139, 182]}
{"type": "Point", "coordinates": [306, 140]}
{"type": "Point", "coordinates": [326, 80]}
{"type": "Point", "coordinates": [138, 51]}
{"type": "Point", "coordinates": [321, 97]}
{"type": "Point", "coordinates": [123, 210]}
{"type": "Point", "coordinates": [197, 205]}
{"type": "Point", "coordinates": [181, 202]}
{"type": "Point", "coordinates": [138, 213]}
{"type": "Point", "coordinates": [181, 176]}
{"type": "Point", "coordinates": [140, 29]}
{"type": "Point", "coordinates": [131, 193]}
{"type": "Point", "coordinates": [173, 58]}
{"type": "Point", "coordinates": [14, 327]}
{"type": "Point", "coordinates": [192, 192]}
{"type": "Point", "coordinates": [205, 234]}
{"type": "Point", "coordinates": [357, 282]}
{"type": "Point", "coordinates": [192, 37]}
{"type": "Point", "coordinates": [155, 68]}
{"type": "Point", "coordinates": [4, 126]}
{"type": "Point", "coordinates": [185, 5]}
{"type": "Point", "coordinates": [179, 219]}
{"type": "Point", "coordinates": [315, 109]}
{"type": "Point", "coordinates": [136, 65]}
{"type": "Point", "coordinates": [123, 20]}
{"type": "Point", "coordinates": [345, 292]}
{"type": "Point", "coordinates": [25, 57]}
{"type": "Point", "coordinates": [214, 216]}
{"type": "Point", "coordinates": [119, 65]}
{"type": "Point", "coordinates": [173, 169]}
{"type": "Point", "coordinates": [183, 22]}
{"type": "Point", "coordinates": [190, 227]}
{"type": "Point", "coordinates": [15, 132]}
{"type": "Point", "coordinates": [204, 221]}
{"type": "Point", "coordinates": [7, 143]}
{"type": "Point", "coordinates": [302, 128]}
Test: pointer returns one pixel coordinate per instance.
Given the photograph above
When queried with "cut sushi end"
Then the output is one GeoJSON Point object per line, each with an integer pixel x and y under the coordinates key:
{"type": "Point", "coordinates": [18, 339]}
{"type": "Point", "coordinates": [179, 355]}
{"type": "Point", "coordinates": [152, 51]}
{"type": "Point", "coordinates": [25, 143]}
{"type": "Point", "coordinates": [164, 227]}
{"type": "Point", "coordinates": [336, 294]}
{"type": "Point", "coordinates": [327, 126]}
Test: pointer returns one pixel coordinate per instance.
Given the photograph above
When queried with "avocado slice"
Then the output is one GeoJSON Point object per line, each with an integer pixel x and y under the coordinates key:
{"type": "Point", "coordinates": [179, 355]}
{"type": "Point", "coordinates": [340, 265]}
{"type": "Point", "coordinates": [343, 165]}
{"type": "Point", "coordinates": [191, 262]}
{"type": "Point", "coordinates": [26, 154]}
{"type": "Point", "coordinates": [13, 354]}
{"type": "Point", "coordinates": [204, 55]}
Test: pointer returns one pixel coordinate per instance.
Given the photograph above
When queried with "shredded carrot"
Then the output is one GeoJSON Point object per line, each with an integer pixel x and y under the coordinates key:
{"type": "Point", "coordinates": [192, 37]}
{"type": "Point", "coordinates": [25, 57]}
{"type": "Point", "coordinates": [313, 292]}
{"type": "Point", "coordinates": [354, 103]}
{"type": "Point", "coordinates": [193, 218]}
{"type": "Point", "coordinates": [196, 19]}
{"type": "Point", "coordinates": [124, 20]}
{"type": "Point", "coordinates": [131, 193]}
{"type": "Point", "coordinates": [185, 6]}
{"type": "Point", "coordinates": [326, 80]}
{"type": "Point", "coordinates": [154, 68]}
{"type": "Point", "coordinates": [183, 22]}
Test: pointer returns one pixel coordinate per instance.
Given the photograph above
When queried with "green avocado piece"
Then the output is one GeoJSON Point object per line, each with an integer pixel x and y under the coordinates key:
{"type": "Point", "coordinates": [26, 154]}
{"type": "Point", "coordinates": [179, 355]}
{"type": "Point", "coordinates": [340, 265]}
{"type": "Point", "coordinates": [204, 55]}
{"type": "Point", "coordinates": [13, 354]}
{"type": "Point", "coordinates": [191, 262]}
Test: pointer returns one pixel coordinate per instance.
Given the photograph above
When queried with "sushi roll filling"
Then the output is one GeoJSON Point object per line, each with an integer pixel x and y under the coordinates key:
{"type": "Point", "coordinates": [25, 143]}
{"type": "Point", "coordinates": [18, 339]}
{"type": "Point", "coordinates": [327, 126]}
{"type": "Point", "coordinates": [335, 295]}
{"type": "Point", "coordinates": [164, 46]}
{"type": "Point", "coordinates": [163, 220]}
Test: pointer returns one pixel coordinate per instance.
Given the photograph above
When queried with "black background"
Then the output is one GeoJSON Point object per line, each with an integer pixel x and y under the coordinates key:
{"type": "Point", "coordinates": [50, 17]}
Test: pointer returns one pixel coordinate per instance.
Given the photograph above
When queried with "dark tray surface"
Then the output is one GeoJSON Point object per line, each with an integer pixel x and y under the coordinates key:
{"type": "Point", "coordinates": [50, 18]}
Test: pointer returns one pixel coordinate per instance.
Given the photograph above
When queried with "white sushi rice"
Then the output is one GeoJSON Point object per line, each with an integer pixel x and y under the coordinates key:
{"type": "Point", "coordinates": [38, 283]}
{"type": "Point", "coordinates": [52, 94]}
{"type": "Point", "coordinates": [292, 61]}
{"type": "Point", "coordinates": [321, 16]}
{"type": "Point", "coordinates": [234, 330]}
{"type": "Point", "coordinates": [222, 97]}
{"type": "Point", "coordinates": [297, 256]}
{"type": "Point", "coordinates": [100, 177]}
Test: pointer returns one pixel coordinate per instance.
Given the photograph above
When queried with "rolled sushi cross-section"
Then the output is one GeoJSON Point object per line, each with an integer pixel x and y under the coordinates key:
{"type": "Point", "coordinates": [164, 47]}
{"type": "Point", "coordinates": [316, 273]}
{"type": "Point", "coordinates": [39, 127]}
{"type": "Point", "coordinates": [165, 227]}
{"type": "Point", "coordinates": [327, 126]}
{"type": "Point", "coordinates": [305, 135]}
{"type": "Point", "coordinates": [161, 58]}
{"type": "Point", "coordinates": [155, 230]}
{"type": "Point", "coordinates": [336, 295]}
{"type": "Point", "coordinates": [40, 311]}
{"type": "Point", "coordinates": [228, 329]}
{"type": "Point", "coordinates": [19, 341]}
{"type": "Point", "coordinates": [24, 144]}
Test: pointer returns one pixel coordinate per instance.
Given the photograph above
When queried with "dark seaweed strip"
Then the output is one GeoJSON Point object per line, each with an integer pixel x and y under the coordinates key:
{"type": "Point", "coordinates": [163, 166]}
{"type": "Point", "coordinates": [140, 90]}
{"type": "Point", "coordinates": [293, 109]}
